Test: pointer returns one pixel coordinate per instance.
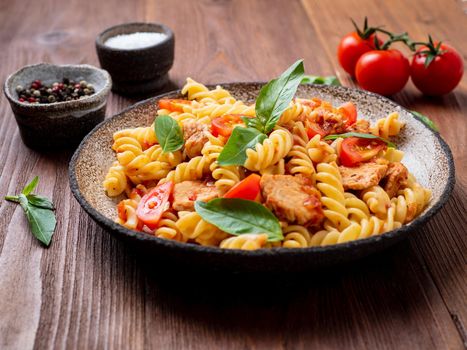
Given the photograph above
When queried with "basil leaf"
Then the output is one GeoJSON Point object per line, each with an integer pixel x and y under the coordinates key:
{"type": "Point", "coordinates": [239, 216]}
{"type": "Point", "coordinates": [314, 79]}
{"type": "Point", "coordinates": [41, 221]}
{"type": "Point", "coordinates": [275, 96]}
{"type": "Point", "coordinates": [168, 133]}
{"type": "Point", "coordinates": [30, 186]}
{"type": "Point", "coordinates": [40, 201]}
{"type": "Point", "coordinates": [427, 121]}
{"type": "Point", "coordinates": [234, 151]}
{"type": "Point", "coordinates": [361, 135]}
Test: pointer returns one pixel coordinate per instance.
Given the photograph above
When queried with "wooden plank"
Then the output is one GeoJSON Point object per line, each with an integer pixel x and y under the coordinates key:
{"type": "Point", "coordinates": [89, 291]}
{"type": "Point", "coordinates": [441, 246]}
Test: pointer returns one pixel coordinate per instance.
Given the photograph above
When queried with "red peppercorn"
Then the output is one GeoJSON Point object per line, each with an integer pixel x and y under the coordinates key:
{"type": "Point", "coordinates": [77, 86]}
{"type": "Point", "coordinates": [55, 89]}
{"type": "Point", "coordinates": [21, 99]}
{"type": "Point", "coordinates": [31, 99]}
{"type": "Point", "coordinates": [61, 86]}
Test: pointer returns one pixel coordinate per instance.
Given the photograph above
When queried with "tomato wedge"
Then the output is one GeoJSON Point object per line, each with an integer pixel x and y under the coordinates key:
{"type": "Point", "coordinates": [349, 111]}
{"type": "Point", "coordinates": [173, 105]}
{"type": "Point", "coordinates": [154, 204]}
{"type": "Point", "coordinates": [355, 150]}
{"type": "Point", "coordinates": [315, 129]}
{"type": "Point", "coordinates": [225, 124]}
{"type": "Point", "coordinates": [248, 188]}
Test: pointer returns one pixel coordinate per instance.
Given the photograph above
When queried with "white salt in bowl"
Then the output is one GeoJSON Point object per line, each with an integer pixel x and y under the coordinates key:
{"type": "Point", "coordinates": [138, 56]}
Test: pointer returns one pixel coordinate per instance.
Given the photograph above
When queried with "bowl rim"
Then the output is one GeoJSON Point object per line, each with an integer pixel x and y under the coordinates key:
{"type": "Point", "coordinates": [183, 247]}
{"type": "Point", "coordinates": [97, 96]}
{"type": "Point", "coordinates": [100, 44]}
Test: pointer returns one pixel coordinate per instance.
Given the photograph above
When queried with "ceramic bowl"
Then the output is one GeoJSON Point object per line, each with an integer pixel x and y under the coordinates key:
{"type": "Point", "coordinates": [137, 71]}
{"type": "Point", "coordinates": [60, 124]}
{"type": "Point", "coordinates": [427, 156]}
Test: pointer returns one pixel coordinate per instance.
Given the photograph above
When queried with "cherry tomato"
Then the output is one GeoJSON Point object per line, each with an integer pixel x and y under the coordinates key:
{"type": "Point", "coordinates": [443, 73]}
{"type": "Point", "coordinates": [314, 129]}
{"type": "Point", "coordinates": [351, 47]}
{"type": "Point", "coordinates": [173, 105]}
{"type": "Point", "coordinates": [225, 124]}
{"type": "Point", "coordinates": [355, 150]}
{"type": "Point", "coordinates": [382, 71]}
{"type": "Point", "coordinates": [349, 110]}
{"type": "Point", "coordinates": [154, 204]}
{"type": "Point", "coordinates": [248, 188]}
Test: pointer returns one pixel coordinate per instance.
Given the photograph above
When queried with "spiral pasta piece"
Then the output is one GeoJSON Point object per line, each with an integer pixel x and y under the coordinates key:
{"type": "Point", "coordinates": [329, 182]}
{"type": "Point", "coordinates": [194, 169]}
{"type": "Point", "coordinates": [296, 236]}
{"type": "Point", "coordinates": [146, 136]}
{"type": "Point", "coordinates": [226, 176]}
{"type": "Point", "coordinates": [193, 227]}
{"type": "Point", "coordinates": [377, 200]}
{"type": "Point", "coordinates": [249, 241]}
{"type": "Point", "coordinates": [167, 228]}
{"type": "Point", "coordinates": [300, 161]}
{"type": "Point", "coordinates": [356, 208]}
{"type": "Point", "coordinates": [214, 110]}
{"type": "Point", "coordinates": [296, 111]}
{"type": "Point", "coordinates": [320, 152]}
{"type": "Point", "coordinates": [115, 181]}
{"type": "Point", "coordinates": [410, 202]}
{"type": "Point", "coordinates": [389, 126]}
{"type": "Point", "coordinates": [273, 149]}
{"type": "Point", "coordinates": [127, 214]}
{"type": "Point", "coordinates": [197, 91]}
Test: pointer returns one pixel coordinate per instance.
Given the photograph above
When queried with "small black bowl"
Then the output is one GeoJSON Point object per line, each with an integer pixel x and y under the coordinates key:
{"type": "Point", "coordinates": [137, 71]}
{"type": "Point", "coordinates": [53, 126]}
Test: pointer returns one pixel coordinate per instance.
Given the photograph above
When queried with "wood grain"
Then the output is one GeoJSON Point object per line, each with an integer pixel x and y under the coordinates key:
{"type": "Point", "coordinates": [89, 291]}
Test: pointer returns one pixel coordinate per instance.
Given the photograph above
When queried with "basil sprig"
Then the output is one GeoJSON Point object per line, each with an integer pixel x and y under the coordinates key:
{"type": "Point", "coordinates": [427, 121]}
{"type": "Point", "coordinates": [239, 216]}
{"type": "Point", "coordinates": [39, 211]}
{"type": "Point", "coordinates": [315, 79]}
{"type": "Point", "coordinates": [272, 101]}
{"type": "Point", "coordinates": [360, 135]}
{"type": "Point", "coordinates": [168, 133]}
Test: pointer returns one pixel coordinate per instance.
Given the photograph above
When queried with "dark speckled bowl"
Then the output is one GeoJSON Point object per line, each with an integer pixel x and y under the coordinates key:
{"type": "Point", "coordinates": [53, 126]}
{"type": "Point", "coordinates": [137, 71]}
{"type": "Point", "coordinates": [427, 156]}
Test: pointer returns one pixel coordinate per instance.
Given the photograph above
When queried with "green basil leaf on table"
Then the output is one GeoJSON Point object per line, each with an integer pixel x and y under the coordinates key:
{"type": "Point", "coordinates": [275, 96]}
{"type": "Point", "coordinates": [239, 216]}
{"type": "Point", "coordinates": [40, 201]}
{"type": "Point", "coordinates": [30, 186]}
{"type": "Point", "coordinates": [38, 210]}
{"type": "Point", "coordinates": [361, 135]}
{"type": "Point", "coordinates": [41, 221]}
{"type": "Point", "coordinates": [427, 121]}
{"type": "Point", "coordinates": [314, 79]}
{"type": "Point", "coordinates": [168, 133]}
{"type": "Point", "coordinates": [234, 151]}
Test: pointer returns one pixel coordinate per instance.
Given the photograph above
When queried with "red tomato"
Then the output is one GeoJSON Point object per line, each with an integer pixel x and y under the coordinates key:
{"type": "Point", "coordinates": [383, 71]}
{"type": "Point", "coordinates": [154, 204]}
{"type": "Point", "coordinates": [351, 47]}
{"type": "Point", "coordinates": [315, 129]}
{"type": "Point", "coordinates": [355, 150]}
{"type": "Point", "coordinates": [225, 124]}
{"type": "Point", "coordinates": [443, 73]}
{"type": "Point", "coordinates": [173, 105]}
{"type": "Point", "coordinates": [248, 188]}
{"type": "Point", "coordinates": [350, 112]}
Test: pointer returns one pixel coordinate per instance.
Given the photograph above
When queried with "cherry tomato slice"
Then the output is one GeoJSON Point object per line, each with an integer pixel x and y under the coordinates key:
{"type": "Point", "coordinates": [248, 188]}
{"type": "Point", "coordinates": [315, 129]}
{"type": "Point", "coordinates": [225, 124]}
{"type": "Point", "coordinates": [173, 105]}
{"type": "Point", "coordinates": [154, 204]}
{"type": "Point", "coordinates": [355, 150]}
{"type": "Point", "coordinates": [349, 111]}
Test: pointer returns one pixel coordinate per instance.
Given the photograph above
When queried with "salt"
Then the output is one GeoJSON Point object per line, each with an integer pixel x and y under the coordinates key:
{"type": "Point", "coordinates": [136, 40]}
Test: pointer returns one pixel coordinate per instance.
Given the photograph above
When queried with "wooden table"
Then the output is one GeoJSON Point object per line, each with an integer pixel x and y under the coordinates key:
{"type": "Point", "coordinates": [87, 291]}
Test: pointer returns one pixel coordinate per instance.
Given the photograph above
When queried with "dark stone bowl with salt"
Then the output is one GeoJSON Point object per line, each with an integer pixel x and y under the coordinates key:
{"type": "Point", "coordinates": [137, 61]}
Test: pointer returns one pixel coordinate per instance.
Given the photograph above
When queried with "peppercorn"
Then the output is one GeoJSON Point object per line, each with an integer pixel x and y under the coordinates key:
{"type": "Point", "coordinates": [36, 93]}
{"type": "Point", "coordinates": [19, 88]}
